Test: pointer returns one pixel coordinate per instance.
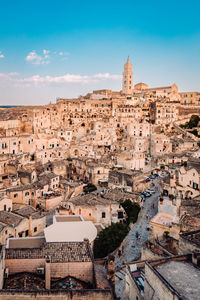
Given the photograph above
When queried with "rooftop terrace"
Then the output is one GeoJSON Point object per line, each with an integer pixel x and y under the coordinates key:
{"type": "Point", "coordinates": [183, 277]}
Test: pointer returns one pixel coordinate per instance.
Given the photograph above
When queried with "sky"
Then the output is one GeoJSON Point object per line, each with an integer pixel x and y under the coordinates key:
{"type": "Point", "coordinates": [67, 48]}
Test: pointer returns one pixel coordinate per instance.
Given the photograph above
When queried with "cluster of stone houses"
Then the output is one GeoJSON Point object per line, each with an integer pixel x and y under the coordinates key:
{"type": "Point", "coordinates": [111, 141]}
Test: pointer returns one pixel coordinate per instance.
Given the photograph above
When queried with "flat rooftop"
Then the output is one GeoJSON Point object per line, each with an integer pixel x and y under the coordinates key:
{"type": "Point", "coordinates": [68, 218]}
{"type": "Point", "coordinates": [163, 219]}
{"type": "Point", "coordinates": [30, 242]}
{"type": "Point", "coordinates": [183, 277]}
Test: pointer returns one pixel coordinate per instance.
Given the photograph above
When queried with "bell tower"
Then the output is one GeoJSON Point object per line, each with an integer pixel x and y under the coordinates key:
{"type": "Point", "coordinates": [127, 85]}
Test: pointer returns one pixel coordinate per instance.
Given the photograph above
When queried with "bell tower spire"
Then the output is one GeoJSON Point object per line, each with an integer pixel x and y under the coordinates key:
{"type": "Point", "coordinates": [127, 86]}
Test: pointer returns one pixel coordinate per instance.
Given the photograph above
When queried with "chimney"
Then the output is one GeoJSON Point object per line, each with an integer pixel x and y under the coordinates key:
{"type": "Point", "coordinates": [195, 258]}
{"type": "Point", "coordinates": [48, 274]}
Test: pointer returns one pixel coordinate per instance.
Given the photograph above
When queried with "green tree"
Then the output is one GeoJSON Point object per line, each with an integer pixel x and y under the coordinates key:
{"type": "Point", "coordinates": [90, 188]}
{"type": "Point", "coordinates": [132, 210]}
{"type": "Point", "coordinates": [194, 120]}
{"type": "Point", "coordinates": [110, 239]}
{"type": "Point", "coordinates": [195, 132]}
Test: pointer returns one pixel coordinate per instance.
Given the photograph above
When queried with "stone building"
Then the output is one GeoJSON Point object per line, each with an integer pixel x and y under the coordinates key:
{"type": "Point", "coordinates": [95, 208]}
{"type": "Point", "coordinates": [57, 270]}
{"type": "Point", "coordinates": [167, 278]}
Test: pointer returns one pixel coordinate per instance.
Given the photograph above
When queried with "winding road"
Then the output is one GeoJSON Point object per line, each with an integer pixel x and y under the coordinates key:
{"type": "Point", "coordinates": [133, 245]}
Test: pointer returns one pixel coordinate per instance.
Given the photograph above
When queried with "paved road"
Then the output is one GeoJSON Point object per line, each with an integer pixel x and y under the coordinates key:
{"type": "Point", "coordinates": [132, 245]}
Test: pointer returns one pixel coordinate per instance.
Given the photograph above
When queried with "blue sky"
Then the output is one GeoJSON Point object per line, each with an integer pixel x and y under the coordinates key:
{"type": "Point", "coordinates": [64, 48]}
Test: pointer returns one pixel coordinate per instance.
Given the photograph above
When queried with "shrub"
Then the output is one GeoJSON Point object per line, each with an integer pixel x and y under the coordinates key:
{"type": "Point", "coordinates": [90, 188]}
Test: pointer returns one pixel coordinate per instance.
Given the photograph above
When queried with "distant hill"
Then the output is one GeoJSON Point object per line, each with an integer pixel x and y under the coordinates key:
{"type": "Point", "coordinates": [10, 106]}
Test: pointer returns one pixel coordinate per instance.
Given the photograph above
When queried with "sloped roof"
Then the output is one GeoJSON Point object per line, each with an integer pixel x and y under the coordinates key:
{"type": "Point", "coordinates": [57, 252]}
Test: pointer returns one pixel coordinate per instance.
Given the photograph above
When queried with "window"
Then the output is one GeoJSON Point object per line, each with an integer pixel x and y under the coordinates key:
{"type": "Point", "coordinates": [6, 231]}
{"type": "Point", "coordinates": [98, 171]}
{"type": "Point", "coordinates": [27, 194]}
{"type": "Point", "coordinates": [120, 215]}
{"type": "Point", "coordinates": [20, 234]}
{"type": "Point", "coordinates": [35, 229]}
{"type": "Point", "coordinates": [103, 214]}
{"type": "Point", "coordinates": [26, 233]}
{"type": "Point", "coordinates": [15, 195]}
{"type": "Point", "coordinates": [4, 207]}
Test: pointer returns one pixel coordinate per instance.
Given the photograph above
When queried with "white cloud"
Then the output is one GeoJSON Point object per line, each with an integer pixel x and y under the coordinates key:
{"type": "Point", "coordinates": [1, 55]}
{"type": "Point", "coordinates": [13, 74]}
{"type": "Point", "coordinates": [64, 55]}
{"type": "Point", "coordinates": [46, 53]}
{"type": "Point", "coordinates": [36, 59]}
{"type": "Point", "coordinates": [37, 80]}
{"type": "Point", "coordinates": [107, 76]}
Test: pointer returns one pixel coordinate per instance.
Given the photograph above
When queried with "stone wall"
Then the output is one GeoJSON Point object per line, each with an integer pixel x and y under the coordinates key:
{"type": "Point", "coordinates": [82, 271]}
{"type": "Point", "coordinates": [186, 246]}
{"type": "Point", "coordinates": [2, 266]}
{"type": "Point", "coordinates": [57, 295]}
{"type": "Point", "coordinates": [24, 265]}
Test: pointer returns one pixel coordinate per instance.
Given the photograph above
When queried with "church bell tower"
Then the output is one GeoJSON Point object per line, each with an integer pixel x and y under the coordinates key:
{"type": "Point", "coordinates": [127, 86]}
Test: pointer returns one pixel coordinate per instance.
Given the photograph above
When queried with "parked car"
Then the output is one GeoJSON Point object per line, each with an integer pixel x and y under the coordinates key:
{"type": "Point", "coordinates": [147, 194]}
{"type": "Point", "coordinates": [163, 175]}
{"type": "Point", "coordinates": [150, 191]}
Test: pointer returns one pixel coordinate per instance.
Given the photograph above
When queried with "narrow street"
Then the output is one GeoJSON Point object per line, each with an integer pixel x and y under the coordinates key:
{"type": "Point", "coordinates": [133, 245]}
